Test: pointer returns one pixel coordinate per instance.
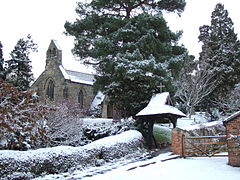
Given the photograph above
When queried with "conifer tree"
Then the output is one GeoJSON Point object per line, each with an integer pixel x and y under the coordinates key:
{"type": "Point", "coordinates": [131, 47]}
{"type": "Point", "coordinates": [18, 71]}
{"type": "Point", "coordinates": [220, 52]}
{"type": "Point", "coordinates": [1, 63]}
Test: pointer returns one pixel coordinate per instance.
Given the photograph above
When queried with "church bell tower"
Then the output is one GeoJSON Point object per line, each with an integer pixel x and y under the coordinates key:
{"type": "Point", "coordinates": [54, 54]}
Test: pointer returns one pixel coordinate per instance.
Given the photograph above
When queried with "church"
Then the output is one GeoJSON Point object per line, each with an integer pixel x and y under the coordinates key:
{"type": "Point", "coordinates": [56, 84]}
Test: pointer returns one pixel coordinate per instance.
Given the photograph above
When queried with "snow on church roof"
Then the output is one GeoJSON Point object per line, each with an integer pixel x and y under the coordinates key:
{"type": "Point", "coordinates": [157, 105]}
{"type": "Point", "coordinates": [99, 98]}
{"type": "Point", "coordinates": [56, 44]}
{"type": "Point", "coordinates": [77, 77]}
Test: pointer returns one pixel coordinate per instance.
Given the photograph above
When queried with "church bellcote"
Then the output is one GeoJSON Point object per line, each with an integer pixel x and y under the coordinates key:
{"type": "Point", "coordinates": [54, 54]}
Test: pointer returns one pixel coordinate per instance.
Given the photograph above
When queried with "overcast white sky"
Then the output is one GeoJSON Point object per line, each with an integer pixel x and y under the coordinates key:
{"type": "Point", "coordinates": [44, 20]}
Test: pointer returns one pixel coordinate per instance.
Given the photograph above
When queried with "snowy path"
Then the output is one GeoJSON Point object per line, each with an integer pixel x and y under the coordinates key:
{"type": "Point", "coordinates": [215, 168]}
{"type": "Point", "coordinates": [177, 169]}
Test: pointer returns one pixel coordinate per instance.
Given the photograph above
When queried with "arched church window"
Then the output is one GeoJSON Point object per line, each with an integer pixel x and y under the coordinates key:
{"type": "Point", "coordinates": [49, 52]}
{"type": "Point", "coordinates": [50, 90]}
{"type": "Point", "coordinates": [80, 98]}
{"type": "Point", "coordinates": [65, 93]}
{"type": "Point", "coordinates": [54, 52]}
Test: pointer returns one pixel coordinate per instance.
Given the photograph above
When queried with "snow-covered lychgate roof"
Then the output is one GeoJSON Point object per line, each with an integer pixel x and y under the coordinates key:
{"type": "Point", "coordinates": [77, 77]}
{"type": "Point", "coordinates": [158, 105]}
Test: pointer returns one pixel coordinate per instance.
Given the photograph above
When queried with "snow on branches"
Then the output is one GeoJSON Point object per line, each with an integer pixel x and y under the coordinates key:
{"type": "Point", "coordinates": [21, 119]}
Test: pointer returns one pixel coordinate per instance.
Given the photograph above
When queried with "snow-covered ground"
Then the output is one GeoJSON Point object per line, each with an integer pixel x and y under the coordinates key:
{"type": "Point", "coordinates": [214, 168]}
{"type": "Point", "coordinates": [27, 164]}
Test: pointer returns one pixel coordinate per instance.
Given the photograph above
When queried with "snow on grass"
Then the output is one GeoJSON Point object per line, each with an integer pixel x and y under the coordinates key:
{"type": "Point", "coordinates": [177, 169]}
{"type": "Point", "coordinates": [215, 168]}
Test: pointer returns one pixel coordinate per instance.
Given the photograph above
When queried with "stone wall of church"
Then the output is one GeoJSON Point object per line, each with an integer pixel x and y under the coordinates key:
{"type": "Point", "coordinates": [63, 89]}
{"type": "Point", "coordinates": [53, 73]}
{"type": "Point", "coordinates": [75, 88]}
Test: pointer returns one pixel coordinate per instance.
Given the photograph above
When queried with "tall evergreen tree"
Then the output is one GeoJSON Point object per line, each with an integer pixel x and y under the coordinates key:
{"type": "Point", "coordinates": [220, 52]}
{"type": "Point", "coordinates": [1, 62]}
{"type": "Point", "coordinates": [131, 46]}
{"type": "Point", "coordinates": [19, 69]}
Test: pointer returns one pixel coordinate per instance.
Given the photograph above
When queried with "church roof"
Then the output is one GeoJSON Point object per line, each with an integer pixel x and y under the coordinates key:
{"type": "Point", "coordinates": [77, 77]}
{"type": "Point", "coordinates": [158, 106]}
{"type": "Point", "coordinates": [98, 99]}
{"type": "Point", "coordinates": [56, 44]}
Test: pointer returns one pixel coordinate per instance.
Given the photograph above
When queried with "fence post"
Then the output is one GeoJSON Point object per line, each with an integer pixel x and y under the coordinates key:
{"type": "Point", "coordinates": [183, 145]}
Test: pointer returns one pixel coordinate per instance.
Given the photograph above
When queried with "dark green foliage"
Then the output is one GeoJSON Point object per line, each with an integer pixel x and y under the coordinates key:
{"type": "Point", "coordinates": [220, 52]}
{"type": "Point", "coordinates": [1, 62]}
{"type": "Point", "coordinates": [18, 71]}
{"type": "Point", "coordinates": [131, 47]}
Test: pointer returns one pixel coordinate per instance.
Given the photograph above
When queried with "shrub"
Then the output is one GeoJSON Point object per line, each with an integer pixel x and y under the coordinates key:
{"type": "Point", "coordinates": [65, 124]}
{"type": "Point", "coordinates": [22, 119]}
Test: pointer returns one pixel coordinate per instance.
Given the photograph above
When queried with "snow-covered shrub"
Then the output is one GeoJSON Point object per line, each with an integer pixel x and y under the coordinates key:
{"type": "Point", "coordinates": [68, 127]}
{"type": "Point", "coordinates": [65, 124]}
{"type": "Point", "coordinates": [97, 131]}
{"type": "Point", "coordinates": [60, 159]}
{"type": "Point", "coordinates": [22, 119]}
{"type": "Point", "coordinates": [96, 111]}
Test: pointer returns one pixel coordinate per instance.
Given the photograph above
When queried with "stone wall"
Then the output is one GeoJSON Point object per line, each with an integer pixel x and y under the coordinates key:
{"type": "Point", "coordinates": [233, 142]}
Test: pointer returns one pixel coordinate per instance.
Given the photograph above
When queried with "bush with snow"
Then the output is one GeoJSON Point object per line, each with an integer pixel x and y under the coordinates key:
{"type": "Point", "coordinates": [22, 119]}
{"type": "Point", "coordinates": [69, 128]}
{"type": "Point", "coordinates": [65, 124]}
{"type": "Point", "coordinates": [29, 164]}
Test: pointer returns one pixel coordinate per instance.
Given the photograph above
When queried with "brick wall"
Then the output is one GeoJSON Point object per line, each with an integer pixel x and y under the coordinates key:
{"type": "Point", "coordinates": [177, 138]}
{"type": "Point", "coordinates": [233, 142]}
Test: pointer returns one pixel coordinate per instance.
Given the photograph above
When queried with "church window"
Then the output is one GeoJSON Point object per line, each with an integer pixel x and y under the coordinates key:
{"type": "Point", "coordinates": [49, 53]}
{"type": "Point", "coordinates": [50, 90]}
{"type": "Point", "coordinates": [65, 93]}
{"type": "Point", "coordinates": [80, 98]}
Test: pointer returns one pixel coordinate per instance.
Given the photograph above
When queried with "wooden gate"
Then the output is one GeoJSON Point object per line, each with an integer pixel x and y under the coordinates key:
{"type": "Point", "coordinates": [204, 146]}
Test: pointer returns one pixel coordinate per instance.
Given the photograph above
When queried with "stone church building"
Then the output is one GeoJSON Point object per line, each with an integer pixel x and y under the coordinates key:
{"type": "Point", "coordinates": [56, 84]}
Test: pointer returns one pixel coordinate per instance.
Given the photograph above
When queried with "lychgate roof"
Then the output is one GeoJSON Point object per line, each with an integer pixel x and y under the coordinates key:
{"type": "Point", "coordinates": [158, 106]}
